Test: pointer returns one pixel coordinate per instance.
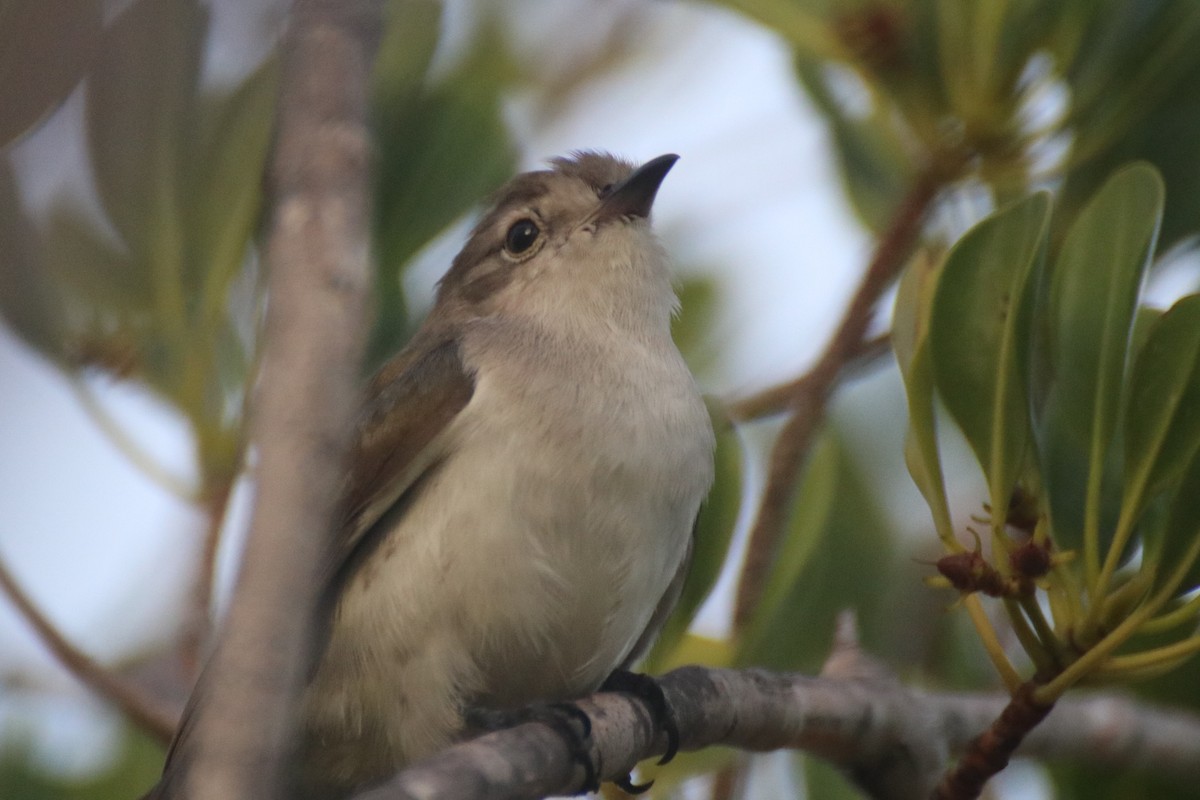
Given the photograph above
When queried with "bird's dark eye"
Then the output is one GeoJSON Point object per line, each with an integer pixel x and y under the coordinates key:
{"type": "Point", "coordinates": [605, 190]}
{"type": "Point", "coordinates": [521, 236]}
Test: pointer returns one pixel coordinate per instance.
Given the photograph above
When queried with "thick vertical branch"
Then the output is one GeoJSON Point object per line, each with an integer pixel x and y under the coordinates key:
{"type": "Point", "coordinates": [990, 751]}
{"type": "Point", "coordinates": [811, 392]}
{"type": "Point", "coordinates": [318, 295]}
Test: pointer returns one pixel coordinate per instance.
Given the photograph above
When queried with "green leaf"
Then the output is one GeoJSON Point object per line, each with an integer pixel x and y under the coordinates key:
{"type": "Point", "coordinates": [1182, 530]}
{"type": "Point", "coordinates": [45, 48]}
{"type": "Point", "coordinates": [1082, 334]}
{"type": "Point", "coordinates": [874, 164]}
{"type": "Point", "coordinates": [910, 341]}
{"type": "Point", "coordinates": [1133, 97]}
{"type": "Point", "coordinates": [442, 149]}
{"type": "Point", "coordinates": [806, 527]}
{"type": "Point", "coordinates": [140, 95]}
{"type": "Point", "coordinates": [93, 275]}
{"type": "Point", "coordinates": [714, 531]}
{"type": "Point", "coordinates": [1162, 417]}
{"type": "Point", "coordinates": [692, 327]}
{"type": "Point", "coordinates": [224, 178]}
{"type": "Point", "coordinates": [29, 301]}
{"type": "Point", "coordinates": [837, 555]}
{"type": "Point", "coordinates": [979, 336]}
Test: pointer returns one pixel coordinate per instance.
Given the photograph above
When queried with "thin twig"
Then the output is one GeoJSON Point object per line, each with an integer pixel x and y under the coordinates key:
{"type": "Point", "coordinates": [149, 466]}
{"type": "Point", "coordinates": [145, 712]}
{"type": "Point", "coordinates": [775, 399]}
{"type": "Point", "coordinates": [197, 627]}
{"type": "Point", "coordinates": [811, 392]}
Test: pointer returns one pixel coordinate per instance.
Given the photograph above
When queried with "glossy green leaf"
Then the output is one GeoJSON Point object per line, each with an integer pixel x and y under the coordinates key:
{"type": "Point", "coordinates": [714, 531]}
{"type": "Point", "coordinates": [1162, 416]}
{"type": "Point", "coordinates": [979, 336]}
{"type": "Point", "coordinates": [1083, 329]}
{"type": "Point", "coordinates": [45, 49]}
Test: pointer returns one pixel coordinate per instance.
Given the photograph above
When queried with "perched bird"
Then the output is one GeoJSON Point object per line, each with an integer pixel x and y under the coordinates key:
{"type": "Point", "coordinates": [522, 491]}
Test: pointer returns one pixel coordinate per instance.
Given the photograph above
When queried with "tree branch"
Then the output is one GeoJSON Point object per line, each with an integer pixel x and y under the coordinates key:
{"type": "Point", "coordinates": [810, 393]}
{"type": "Point", "coordinates": [892, 740]}
{"type": "Point", "coordinates": [145, 712]}
{"type": "Point", "coordinates": [319, 282]}
{"type": "Point", "coordinates": [775, 399]}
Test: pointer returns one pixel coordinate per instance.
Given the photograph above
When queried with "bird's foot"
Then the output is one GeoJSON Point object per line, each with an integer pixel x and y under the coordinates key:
{"type": "Point", "coordinates": [648, 690]}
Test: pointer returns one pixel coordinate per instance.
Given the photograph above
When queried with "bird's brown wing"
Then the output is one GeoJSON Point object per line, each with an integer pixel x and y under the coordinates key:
{"type": "Point", "coordinates": [408, 404]}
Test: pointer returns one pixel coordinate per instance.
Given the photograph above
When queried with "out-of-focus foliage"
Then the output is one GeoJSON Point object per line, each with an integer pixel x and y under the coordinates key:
{"type": "Point", "coordinates": [1030, 332]}
{"type": "Point", "coordinates": [1077, 398]}
{"type": "Point", "coordinates": [43, 56]}
{"type": "Point", "coordinates": [137, 765]}
{"type": "Point", "coordinates": [443, 146]}
{"type": "Point", "coordinates": [147, 290]}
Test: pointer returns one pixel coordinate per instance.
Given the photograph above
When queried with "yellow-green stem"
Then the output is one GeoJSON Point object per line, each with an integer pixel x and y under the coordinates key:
{"type": "Point", "coordinates": [1029, 640]}
{"type": "Point", "coordinates": [1171, 653]}
{"type": "Point", "coordinates": [1044, 632]}
{"type": "Point", "coordinates": [991, 643]}
{"type": "Point", "coordinates": [1164, 622]}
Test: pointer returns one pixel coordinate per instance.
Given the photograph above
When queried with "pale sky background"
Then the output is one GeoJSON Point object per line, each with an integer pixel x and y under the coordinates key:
{"type": "Point", "coordinates": [755, 201]}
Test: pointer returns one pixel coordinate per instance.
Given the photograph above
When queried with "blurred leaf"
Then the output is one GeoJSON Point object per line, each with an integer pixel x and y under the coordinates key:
{"type": "Point", "coordinates": [979, 336]}
{"type": "Point", "coordinates": [45, 48]}
{"type": "Point", "coordinates": [137, 765]}
{"type": "Point", "coordinates": [1133, 97]}
{"type": "Point", "coordinates": [801, 24]}
{"type": "Point", "coordinates": [410, 38]}
{"type": "Point", "coordinates": [823, 780]}
{"type": "Point", "coordinates": [94, 276]}
{"type": "Point", "coordinates": [714, 531]}
{"type": "Point", "coordinates": [29, 302]}
{"type": "Point", "coordinates": [981, 61]}
{"type": "Point", "coordinates": [843, 547]}
{"type": "Point", "coordinates": [874, 164]}
{"type": "Point", "coordinates": [691, 328]}
{"type": "Point", "coordinates": [910, 341]}
{"type": "Point", "coordinates": [442, 149]}
{"type": "Point", "coordinates": [139, 95]}
{"type": "Point", "coordinates": [1182, 528]}
{"type": "Point", "coordinates": [806, 527]}
{"type": "Point", "coordinates": [1082, 329]}
{"type": "Point", "coordinates": [687, 764]}
{"type": "Point", "coordinates": [1093, 781]}
{"type": "Point", "coordinates": [1162, 417]}
{"type": "Point", "coordinates": [223, 176]}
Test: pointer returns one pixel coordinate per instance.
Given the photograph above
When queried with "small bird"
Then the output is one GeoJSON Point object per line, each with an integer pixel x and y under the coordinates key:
{"type": "Point", "coordinates": [518, 513]}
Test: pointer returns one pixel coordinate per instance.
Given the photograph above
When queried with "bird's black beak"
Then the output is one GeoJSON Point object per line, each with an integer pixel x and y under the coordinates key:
{"type": "Point", "coordinates": [634, 196]}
